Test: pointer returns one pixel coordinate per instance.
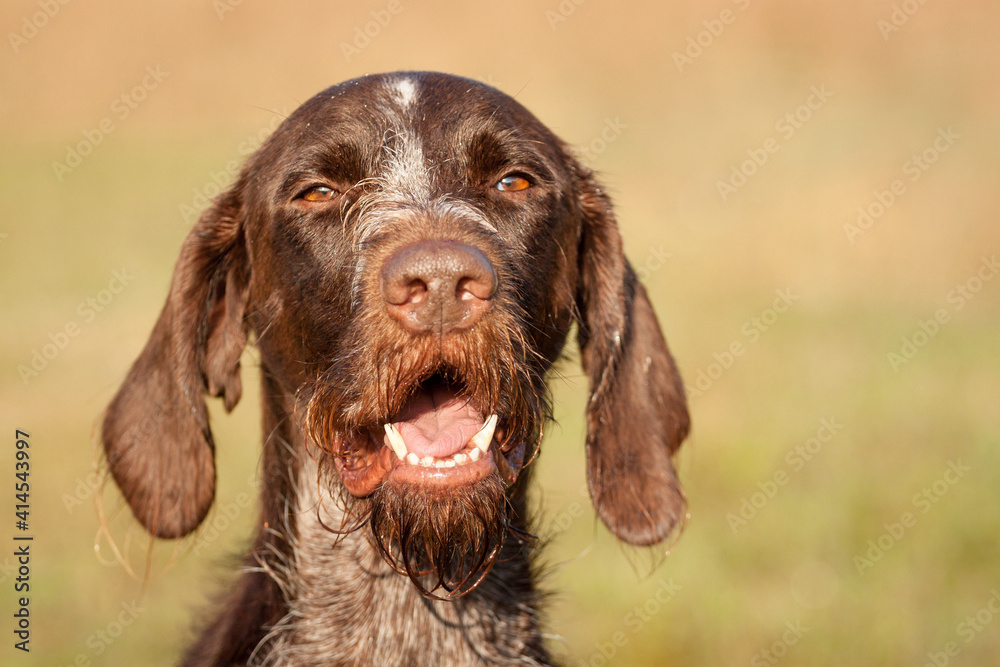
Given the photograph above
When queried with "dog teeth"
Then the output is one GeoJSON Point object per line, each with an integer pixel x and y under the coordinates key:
{"type": "Point", "coordinates": [483, 439]}
{"type": "Point", "coordinates": [396, 441]}
{"type": "Point", "coordinates": [478, 445]}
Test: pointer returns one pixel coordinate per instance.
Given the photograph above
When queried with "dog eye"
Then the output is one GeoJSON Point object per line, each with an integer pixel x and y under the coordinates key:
{"type": "Point", "coordinates": [318, 193]}
{"type": "Point", "coordinates": [513, 183]}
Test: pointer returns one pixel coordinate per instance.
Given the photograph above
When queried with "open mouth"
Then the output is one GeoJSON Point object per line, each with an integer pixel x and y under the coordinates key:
{"type": "Point", "coordinates": [440, 438]}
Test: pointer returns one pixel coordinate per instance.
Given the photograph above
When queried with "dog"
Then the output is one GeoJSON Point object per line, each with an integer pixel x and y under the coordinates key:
{"type": "Point", "coordinates": [408, 251]}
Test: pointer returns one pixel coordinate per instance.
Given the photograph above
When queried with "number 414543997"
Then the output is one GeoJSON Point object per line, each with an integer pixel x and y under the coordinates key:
{"type": "Point", "coordinates": [21, 486]}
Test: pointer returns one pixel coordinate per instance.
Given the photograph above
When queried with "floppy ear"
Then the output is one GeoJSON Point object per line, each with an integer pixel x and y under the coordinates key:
{"type": "Point", "coordinates": [636, 414]}
{"type": "Point", "coordinates": [156, 435]}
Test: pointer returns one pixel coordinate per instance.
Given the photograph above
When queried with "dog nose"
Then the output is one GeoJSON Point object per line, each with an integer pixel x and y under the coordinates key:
{"type": "Point", "coordinates": [437, 286]}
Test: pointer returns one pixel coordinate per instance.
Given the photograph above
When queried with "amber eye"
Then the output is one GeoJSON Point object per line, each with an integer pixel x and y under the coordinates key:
{"type": "Point", "coordinates": [318, 193]}
{"type": "Point", "coordinates": [513, 183]}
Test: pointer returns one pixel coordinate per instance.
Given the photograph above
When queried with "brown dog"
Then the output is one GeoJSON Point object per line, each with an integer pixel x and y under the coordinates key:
{"type": "Point", "coordinates": [409, 251]}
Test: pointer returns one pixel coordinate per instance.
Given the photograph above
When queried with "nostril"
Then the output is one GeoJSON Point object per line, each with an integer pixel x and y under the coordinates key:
{"type": "Point", "coordinates": [418, 291]}
{"type": "Point", "coordinates": [415, 292]}
{"type": "Point", "coordinates": [480, 287]}
{"type": "Point", "coordinates": [400, 290]}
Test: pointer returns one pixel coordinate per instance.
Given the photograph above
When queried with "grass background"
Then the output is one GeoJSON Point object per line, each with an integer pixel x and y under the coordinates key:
{"type": "Point", "coordinates": [232, 70]}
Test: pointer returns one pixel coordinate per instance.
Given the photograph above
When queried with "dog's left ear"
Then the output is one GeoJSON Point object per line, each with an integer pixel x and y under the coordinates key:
{"type": "Point", "coordinates": [636, 413]}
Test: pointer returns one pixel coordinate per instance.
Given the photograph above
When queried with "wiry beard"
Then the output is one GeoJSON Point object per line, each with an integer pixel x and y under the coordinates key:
{"type": "Point", "coordinates": [446, 543]}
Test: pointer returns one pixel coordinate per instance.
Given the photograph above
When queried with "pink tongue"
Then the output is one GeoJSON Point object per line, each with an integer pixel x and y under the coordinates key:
{"type": "Point", "coordinates": [438, 422]}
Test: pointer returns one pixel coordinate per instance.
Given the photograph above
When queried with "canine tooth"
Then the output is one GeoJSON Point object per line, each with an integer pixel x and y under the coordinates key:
{"type": "Point", "coordinates": [475, 454]}
{"type": "Point", "coordinates": [460, 458]}
{"type": "Point", "coordinates": [396, 441]}
{"type": "Point", "coordinates": [412, 459]}
{"type": "Point", "coordinates": [483, 439]}
{"type": "Point", "coordinates": [427, 461]}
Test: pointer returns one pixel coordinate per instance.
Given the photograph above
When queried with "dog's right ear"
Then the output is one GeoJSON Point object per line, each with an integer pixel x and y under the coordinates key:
{"type": "Point", "coordinates": [156, 434]}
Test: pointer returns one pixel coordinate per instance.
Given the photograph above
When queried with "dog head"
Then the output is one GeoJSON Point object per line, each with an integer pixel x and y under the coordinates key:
{"type": "Point", "coordinates": [409, 251]}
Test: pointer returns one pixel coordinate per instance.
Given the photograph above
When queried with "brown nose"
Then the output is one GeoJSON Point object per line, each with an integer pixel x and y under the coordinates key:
{"type": "Point", "coordinates": [438, 286]}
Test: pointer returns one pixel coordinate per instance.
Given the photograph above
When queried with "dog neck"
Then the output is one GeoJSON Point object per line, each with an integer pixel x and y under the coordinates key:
{"type": "Point", "coordinates": [346, 605]}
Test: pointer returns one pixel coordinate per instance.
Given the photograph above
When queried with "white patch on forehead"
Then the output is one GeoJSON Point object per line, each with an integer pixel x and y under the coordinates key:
{"type": "Point", "coordinates": [405, 169]}
{"type": "Point", "coordinates": [405, 91]}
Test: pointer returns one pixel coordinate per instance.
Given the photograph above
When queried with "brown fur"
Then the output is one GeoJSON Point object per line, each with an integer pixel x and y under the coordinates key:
{"type": "Point", "coordinates": [405, 575]}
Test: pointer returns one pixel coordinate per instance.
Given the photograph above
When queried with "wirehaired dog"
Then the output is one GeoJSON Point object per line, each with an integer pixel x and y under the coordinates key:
{"type": "Point", "coordinates": [409, 252]}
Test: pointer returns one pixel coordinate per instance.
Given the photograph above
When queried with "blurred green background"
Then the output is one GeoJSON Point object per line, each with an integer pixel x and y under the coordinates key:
{"type": "Point", "coordinates": [843, 368]}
